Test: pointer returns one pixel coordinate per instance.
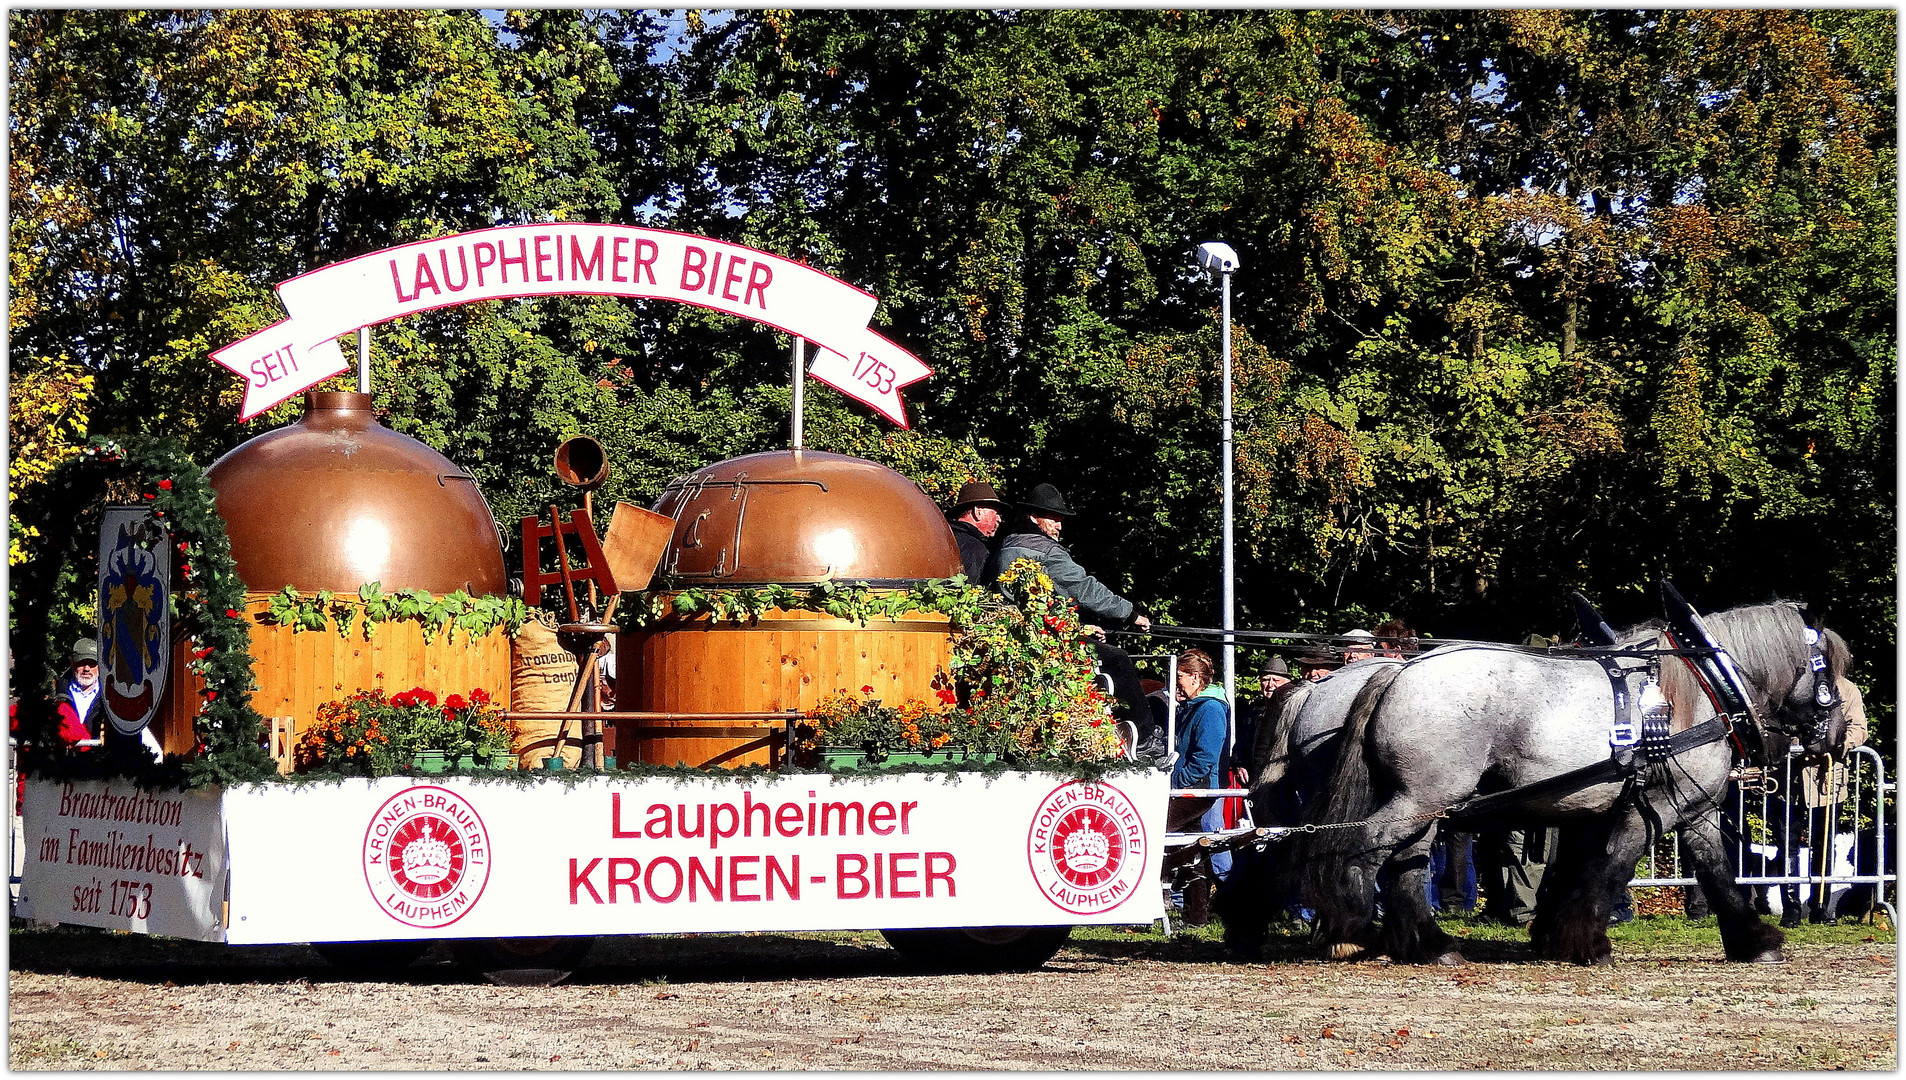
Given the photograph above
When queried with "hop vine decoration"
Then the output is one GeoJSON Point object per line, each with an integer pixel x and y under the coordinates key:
{"type": "Point", "coordinates": [208, 602]}
{"type": "Point", "coordinates": [856, 601]}
{"type": "Point", "coordinates": [474, 615]}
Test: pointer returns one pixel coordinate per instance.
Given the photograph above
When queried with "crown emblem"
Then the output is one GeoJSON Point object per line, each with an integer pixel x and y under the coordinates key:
{"type": "Point", "coordinates": [1087, 850]}
{"type": "Point", "coordinates": [425, 860]}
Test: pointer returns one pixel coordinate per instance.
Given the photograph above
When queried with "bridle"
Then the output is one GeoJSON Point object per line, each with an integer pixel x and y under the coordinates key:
{"type": "Point", "coordinates": [1732, 699]}
{"type": "Point", "coordinates": [1826, 695]}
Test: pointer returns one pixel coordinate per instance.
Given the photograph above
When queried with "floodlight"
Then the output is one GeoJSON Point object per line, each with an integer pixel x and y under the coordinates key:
{"type": "Point", "coordinates": [1213, 255]}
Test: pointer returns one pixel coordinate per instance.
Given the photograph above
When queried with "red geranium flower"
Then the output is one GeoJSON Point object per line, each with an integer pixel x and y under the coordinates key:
{"type": "Point", "coordinates": [479, 696]}
{"type": "Point", "coordinates": [866, 689]}
{"type": "Point", "coordinates": [453, 702]}
{"type": "Point", "coordinates": [165, 485]}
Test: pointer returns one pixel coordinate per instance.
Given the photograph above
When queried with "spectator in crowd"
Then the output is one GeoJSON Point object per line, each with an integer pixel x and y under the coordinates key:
{"type": "Point", "coordinates": [1806, 841]}
{"type": "Point", "coordinates": [1317, 662]}
{"type": "Point", "coordinates": [1395, 639]}
{"type": "Point", "coordinates": [1358, 645]}
{"type": "Point", "coordinates": [1272, 675]}
{"type": "Point", "coordinates": [1451, 884]}
{"type": "Point", "coordinates": [81, 708]}
{"type": "Point", "coordinates": [1037, 538]}
{"type": "Point", "coordinates": [976, 516]}
{"type": "Point", "coordinates": [1204, 718]}
{"type": "Point", "coordinates": [1515, 860]}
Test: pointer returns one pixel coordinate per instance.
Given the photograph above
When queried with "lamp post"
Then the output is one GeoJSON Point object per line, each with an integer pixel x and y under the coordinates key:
{"type": "Point", "coordinates": [1220, 259]}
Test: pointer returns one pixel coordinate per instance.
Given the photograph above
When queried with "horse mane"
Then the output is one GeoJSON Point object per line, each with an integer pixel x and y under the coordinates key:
{"type": "Point", "coordinates": [1768, 644]}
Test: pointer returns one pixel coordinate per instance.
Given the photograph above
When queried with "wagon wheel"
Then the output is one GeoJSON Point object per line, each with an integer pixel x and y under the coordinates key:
{"type": "Point", "coordinates": [372, 957]}
{"type": "Point", "coordinates": [979, 948]}
{"type": "Point", "coordinates": [527, 961]}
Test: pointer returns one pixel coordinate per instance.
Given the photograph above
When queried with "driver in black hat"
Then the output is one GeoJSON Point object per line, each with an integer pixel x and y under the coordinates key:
{"type": "Point", "coordinates": [1037, 538]}
{"type": "Point", "coordinates": [976, 513]}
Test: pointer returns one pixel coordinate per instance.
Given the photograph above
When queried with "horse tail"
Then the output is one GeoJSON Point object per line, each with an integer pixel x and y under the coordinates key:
{"type": "Point", "coordinates": [1350, 794]}
{"type": "Point", "coordinates": [1344, 905]}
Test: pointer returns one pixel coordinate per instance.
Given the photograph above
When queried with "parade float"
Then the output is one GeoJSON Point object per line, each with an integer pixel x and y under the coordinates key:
{"type": "Point", "coordinates": [818, 724]}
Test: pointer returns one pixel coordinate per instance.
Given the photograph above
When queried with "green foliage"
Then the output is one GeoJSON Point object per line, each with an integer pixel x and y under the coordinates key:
{"type": "Point", "coordinates": [1025, 676]}
{"type": "Point", "coordinates": [476, 616]}
{"type": "Point", "coordinates": [854, 600]}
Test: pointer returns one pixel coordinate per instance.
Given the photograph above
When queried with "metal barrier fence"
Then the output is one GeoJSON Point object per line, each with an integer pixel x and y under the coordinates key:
{"type": "Point", "coordinates": [1774, 820]}
{"type": "Point", "coordinates": [1770, 817]}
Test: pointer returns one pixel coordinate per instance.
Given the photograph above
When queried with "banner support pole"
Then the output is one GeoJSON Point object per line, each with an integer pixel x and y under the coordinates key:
{"type": "Point", "coordinates": [363, 359]}
{"type": "Point", "coordinates": [800, 383]}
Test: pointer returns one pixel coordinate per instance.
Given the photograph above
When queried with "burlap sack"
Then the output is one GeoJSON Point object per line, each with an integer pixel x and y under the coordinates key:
{"type": "Point", "coordinates": [542, 676]}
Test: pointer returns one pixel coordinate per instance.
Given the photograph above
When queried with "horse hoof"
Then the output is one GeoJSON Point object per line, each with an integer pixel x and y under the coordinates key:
{"type": "Point", "coordinates": [1771, 956]}
{"type": "Point", "coordinates": [1452, 958]}
{"type": "Point", "coordinates": [1346, 950]}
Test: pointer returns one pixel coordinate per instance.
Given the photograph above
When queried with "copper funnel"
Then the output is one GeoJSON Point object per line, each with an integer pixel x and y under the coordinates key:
{"type": "Point", "coordinates": [581, 462]}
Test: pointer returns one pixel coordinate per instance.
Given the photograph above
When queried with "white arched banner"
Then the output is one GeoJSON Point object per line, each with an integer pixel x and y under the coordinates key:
{"type": "Point", "coordinates": [571, 258]}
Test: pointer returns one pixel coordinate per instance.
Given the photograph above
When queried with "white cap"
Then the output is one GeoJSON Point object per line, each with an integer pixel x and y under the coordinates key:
{"type": "Point", "coordinates": [1360, 634]}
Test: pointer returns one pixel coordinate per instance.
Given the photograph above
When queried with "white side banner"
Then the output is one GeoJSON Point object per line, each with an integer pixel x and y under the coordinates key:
{"type": "Point", "coordinates": [404, 858]}
{"type": "Point", "coordinates": [108, 854]}
{"type": "Point", "coordinates": [567, 258]}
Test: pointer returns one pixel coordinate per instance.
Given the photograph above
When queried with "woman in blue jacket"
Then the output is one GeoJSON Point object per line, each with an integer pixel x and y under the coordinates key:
{"type": "Point", "coordinates": [1204, 722]}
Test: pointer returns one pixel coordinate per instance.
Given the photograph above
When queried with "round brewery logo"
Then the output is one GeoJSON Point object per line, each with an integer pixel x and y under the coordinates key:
{"type": "Point", "coordinates": [1087, 847]}
{"type": "Point", "coordinates": [426, 856]}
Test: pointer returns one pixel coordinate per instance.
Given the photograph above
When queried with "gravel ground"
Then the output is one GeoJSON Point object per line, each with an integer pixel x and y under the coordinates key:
{"type": "Point", "coordinates": [1137, 1001]}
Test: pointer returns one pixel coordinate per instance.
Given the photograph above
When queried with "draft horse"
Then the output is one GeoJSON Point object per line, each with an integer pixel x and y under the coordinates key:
{"type": "Point", "coordinates": [1435, 732]}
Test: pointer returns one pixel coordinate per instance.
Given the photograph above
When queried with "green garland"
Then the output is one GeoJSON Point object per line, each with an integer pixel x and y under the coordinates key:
{"type": "Point", "coordinates": [857, 601]}
{"type": "Point", "coordinates": [476, 616]}
{"type": "Point", "coordinates": [208, 601]}
{"type": "Point", "coordinates": [991, 769]}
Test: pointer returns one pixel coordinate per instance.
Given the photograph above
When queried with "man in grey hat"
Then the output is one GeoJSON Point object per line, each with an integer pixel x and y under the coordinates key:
{"type": "Point", "coordinates": [976, 514]}
{"type": "Point", "coordinates": [1273, 675]}
{"type": "Point", "coordinates": [1037, 538]}
{"type": "Point", "coordinates": [80, 707]}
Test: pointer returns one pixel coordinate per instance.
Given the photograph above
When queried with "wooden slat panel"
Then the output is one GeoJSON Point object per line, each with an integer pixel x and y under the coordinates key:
{"type": "Point", "coordinates": [740, 669]}
{"type": "Point", "coordinates": [299, 671]}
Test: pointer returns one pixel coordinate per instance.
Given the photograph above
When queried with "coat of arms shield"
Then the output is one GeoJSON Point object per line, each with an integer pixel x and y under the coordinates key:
{"type": "Point", "coordinates": [135, 615]}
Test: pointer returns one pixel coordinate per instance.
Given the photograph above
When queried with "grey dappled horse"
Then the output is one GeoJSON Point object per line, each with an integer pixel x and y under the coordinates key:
{"type": "Point", "coordinates": [1291, 760]}
{"type": "Point", "coordinates": [1427, 735]}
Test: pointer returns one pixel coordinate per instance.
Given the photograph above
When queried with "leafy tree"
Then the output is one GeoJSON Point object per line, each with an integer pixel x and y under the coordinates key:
{"type": "Point", "coordinates": [1531, 300]}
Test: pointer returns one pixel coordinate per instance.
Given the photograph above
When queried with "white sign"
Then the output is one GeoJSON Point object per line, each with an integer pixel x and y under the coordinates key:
{"type": "Point", "coordinates": [135, 615]}
{"type": "Point", "coordinates": [404, 858]}
{"type": "Point", "coordinates": [875, 376]}
{"type": "Point", "coordinates": [567, 258]}
{"type": "Point", "coordinates": [101, 853]}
